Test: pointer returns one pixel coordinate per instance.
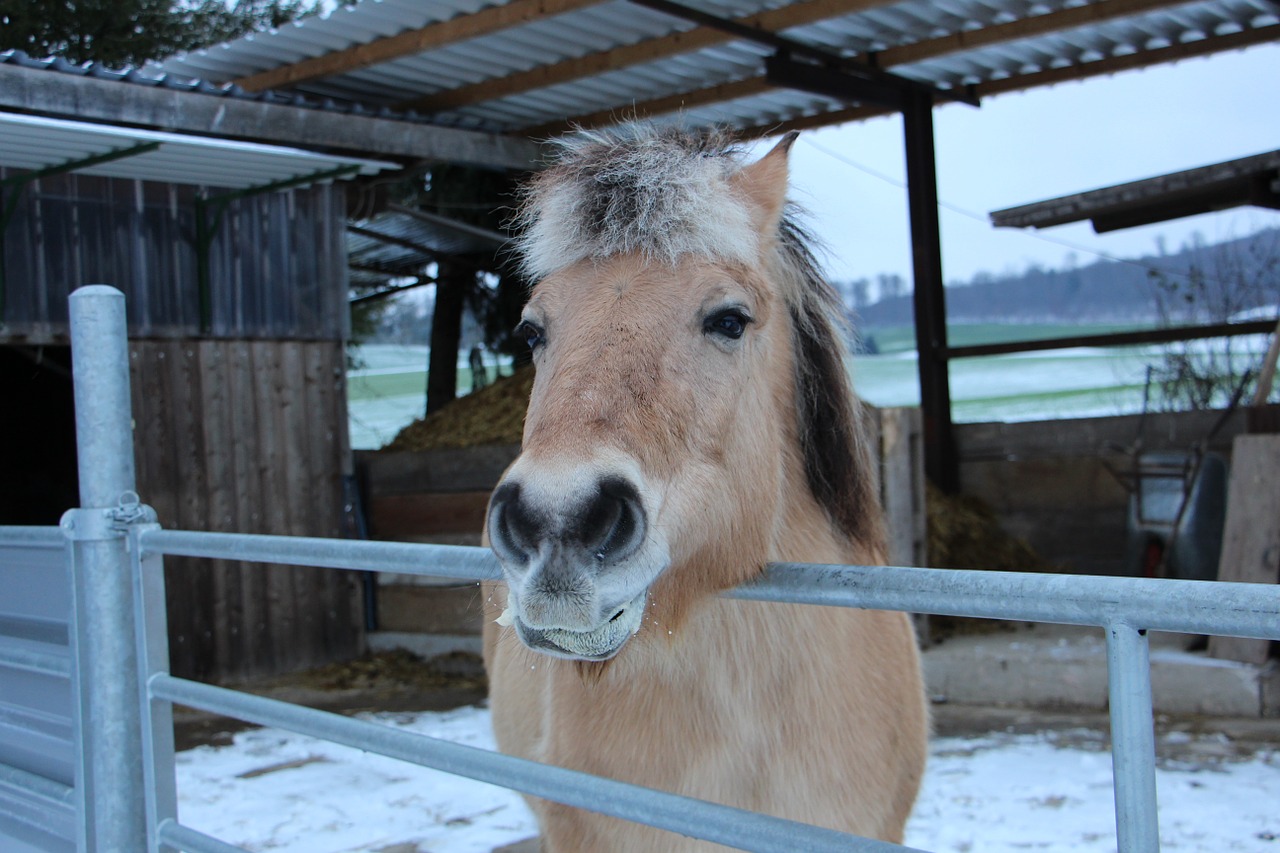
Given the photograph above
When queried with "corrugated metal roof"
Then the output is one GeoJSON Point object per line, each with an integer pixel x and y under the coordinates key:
{"type": "Point", "coordinates": [517, 66]}
{"type": "Point", "coordinates": [34, 143]}
{"type": "Point", "coordinates": [401, 242]}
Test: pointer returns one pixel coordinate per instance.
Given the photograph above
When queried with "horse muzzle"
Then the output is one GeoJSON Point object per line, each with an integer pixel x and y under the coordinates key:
{"type": "Point", "coordinates": [578, 558]}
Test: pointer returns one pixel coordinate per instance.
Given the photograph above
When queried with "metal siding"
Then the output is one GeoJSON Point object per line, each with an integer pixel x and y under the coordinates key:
{"type": "Point", "coordinates": [37, 726]}
{"type": "Point", "coordinates": [613, 24]}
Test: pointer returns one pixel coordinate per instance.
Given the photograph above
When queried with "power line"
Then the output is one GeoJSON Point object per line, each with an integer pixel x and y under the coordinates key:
{"type": "Point", "coordinates": [980, 217]}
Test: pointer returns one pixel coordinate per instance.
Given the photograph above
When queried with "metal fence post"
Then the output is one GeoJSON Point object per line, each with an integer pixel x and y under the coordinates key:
{"type": "Point", "coordinates": [1132, 739]}
{"type": "Point", "coordinates": [153, 657]}
{"type": "Point", "coordinates": [109, 776]}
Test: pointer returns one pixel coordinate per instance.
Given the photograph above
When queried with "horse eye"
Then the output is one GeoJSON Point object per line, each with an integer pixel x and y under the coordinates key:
{"type": "Point", "coordinates": [730, 323]}
{"type": "Point", "coordinates": [533, 336]}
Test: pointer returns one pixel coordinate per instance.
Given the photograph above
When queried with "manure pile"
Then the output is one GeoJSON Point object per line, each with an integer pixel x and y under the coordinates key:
{"type": "Point", "coordinates": [492, 415]}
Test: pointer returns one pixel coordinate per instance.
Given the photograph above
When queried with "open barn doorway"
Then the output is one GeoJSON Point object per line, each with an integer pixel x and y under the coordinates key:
{"type": "Point", "coordinates": [38, 478]}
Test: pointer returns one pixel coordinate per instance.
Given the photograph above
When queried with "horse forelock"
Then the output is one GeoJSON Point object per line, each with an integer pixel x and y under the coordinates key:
{"type": "Point", "coordinates": [660, 192]}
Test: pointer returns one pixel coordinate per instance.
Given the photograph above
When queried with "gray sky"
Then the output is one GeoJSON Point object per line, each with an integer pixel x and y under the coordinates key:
{"type": "Point", "coordinates": [1026, 147]}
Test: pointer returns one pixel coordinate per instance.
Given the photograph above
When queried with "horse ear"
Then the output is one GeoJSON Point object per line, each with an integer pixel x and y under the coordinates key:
{"type": "Point", "coordinates": [764, 183]}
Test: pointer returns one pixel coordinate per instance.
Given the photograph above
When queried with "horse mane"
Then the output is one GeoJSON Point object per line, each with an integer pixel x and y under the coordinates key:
{"type": "Point", "coordinates": [832, 430]}
{"type": "Point", "coordinates": [665, 192]}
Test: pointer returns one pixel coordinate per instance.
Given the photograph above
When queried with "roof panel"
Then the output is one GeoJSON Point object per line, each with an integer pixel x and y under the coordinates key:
{"type": "Point", "coordinates": [33, 143]}
{"type": "Point", "coordinates": [944, 44]}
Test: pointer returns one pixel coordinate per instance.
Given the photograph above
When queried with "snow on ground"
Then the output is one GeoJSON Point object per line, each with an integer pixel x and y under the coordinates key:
{"type": "Point", "coordinates": [276, 791]}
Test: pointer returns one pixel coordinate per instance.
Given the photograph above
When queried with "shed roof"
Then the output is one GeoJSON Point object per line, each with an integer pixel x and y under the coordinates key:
{"type": "Point", "coordinates": [534, 66]}
{"type": "Point", "coordinates": [1249, 180]}
{"type": "Point", "coordinates": [40, 144]}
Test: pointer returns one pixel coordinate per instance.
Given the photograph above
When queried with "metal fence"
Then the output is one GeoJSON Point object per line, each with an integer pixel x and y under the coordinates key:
{"type": "Point", "coordinates": [112, 658]}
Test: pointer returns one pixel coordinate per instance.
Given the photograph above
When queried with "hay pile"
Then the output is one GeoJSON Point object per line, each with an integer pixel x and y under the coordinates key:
{"type": "Point", "coordinates": [965, 534]}
{"type": "Point", "coordinates": [492, 415]}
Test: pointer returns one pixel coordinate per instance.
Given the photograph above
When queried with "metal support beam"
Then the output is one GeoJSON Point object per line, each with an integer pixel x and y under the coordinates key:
{"type": "Point", "coordinates": [1133, 747]}
{"type": "Point", "coordinates": [105, 686]}
{"type": "Point", "coordinates": [930, 301]}
{"type": "Point", "coordinates": [829, 64]}
{"type": "Point", "coordinates": [783, 71]}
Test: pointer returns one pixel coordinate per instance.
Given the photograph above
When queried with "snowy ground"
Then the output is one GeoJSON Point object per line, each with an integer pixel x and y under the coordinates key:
{"type": "Point", "coordinates": [280, 792]}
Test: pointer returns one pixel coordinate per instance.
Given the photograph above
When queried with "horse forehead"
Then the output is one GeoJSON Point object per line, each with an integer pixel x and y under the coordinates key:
{"type": "Point", "coordinates": [656, 288]}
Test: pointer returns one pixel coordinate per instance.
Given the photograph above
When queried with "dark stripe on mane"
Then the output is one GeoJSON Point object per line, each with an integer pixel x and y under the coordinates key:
{"type": "Point", "coordinates": [837, 458]}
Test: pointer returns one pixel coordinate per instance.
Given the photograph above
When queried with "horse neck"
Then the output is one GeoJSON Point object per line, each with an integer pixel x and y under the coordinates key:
{"type": "Point", "coordinates": [803, 531]}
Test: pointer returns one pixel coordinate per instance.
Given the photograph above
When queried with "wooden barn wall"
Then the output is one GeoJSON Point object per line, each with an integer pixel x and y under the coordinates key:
{"type": "Point", "coordinates": [247, 436]}
{"type": "Point", "coordinates": [277, 264]}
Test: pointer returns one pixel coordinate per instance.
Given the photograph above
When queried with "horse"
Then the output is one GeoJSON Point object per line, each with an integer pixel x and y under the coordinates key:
{"type": "Point", "coordinates": [691, 420]}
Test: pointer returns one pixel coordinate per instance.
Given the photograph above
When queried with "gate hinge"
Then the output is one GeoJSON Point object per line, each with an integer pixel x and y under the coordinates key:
{"type": "Point", "coordinates": [97, 524]}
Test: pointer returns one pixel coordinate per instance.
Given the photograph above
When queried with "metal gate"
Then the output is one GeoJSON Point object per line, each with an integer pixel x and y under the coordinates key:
{"type": "Point", "coordinates": [92, 655]}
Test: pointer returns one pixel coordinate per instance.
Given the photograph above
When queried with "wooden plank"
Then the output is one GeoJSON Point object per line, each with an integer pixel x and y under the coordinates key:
{"type": "Point", "coordinates": [193, 588]}
{"type": "Point", "coordinates": [342, 626]}
{"type": "Point", "coordinates": [407, 43]}
{"type": "Point", "coordinates": [251, 646]}
{"type": "Point", "coordinates": [1251, 538]}
{"type": "Point", "coordinates": [426, 514]}
{"type": "Point", "coordinates": [430, 609]}
{"type": "Point", "coordinates": [217, 424]}
{"type": "Point", "coordinates": [456, 470]}
{"type": "Point", "coordinates": [273, 495]}
{"type": "Point", "coordinates": [902, 485]}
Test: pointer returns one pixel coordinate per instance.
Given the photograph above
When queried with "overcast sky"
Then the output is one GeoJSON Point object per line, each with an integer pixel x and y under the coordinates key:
{"type": "Point", "coordinates": [1031, 146]}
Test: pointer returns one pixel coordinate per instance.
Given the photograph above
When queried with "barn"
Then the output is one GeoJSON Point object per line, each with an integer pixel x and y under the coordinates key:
{"type": "Point", "coordinates": [462, 83]}
{"type": "Point", "coordinates": [233, 254]}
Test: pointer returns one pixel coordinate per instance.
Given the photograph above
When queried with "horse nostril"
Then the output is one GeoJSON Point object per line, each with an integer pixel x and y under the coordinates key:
{"type": "Point", "coordinates": [602, 524]}
{"type": "Point", "coordinates": [513, 530]}
{"type": "Point", "coordinates": [612, 526]}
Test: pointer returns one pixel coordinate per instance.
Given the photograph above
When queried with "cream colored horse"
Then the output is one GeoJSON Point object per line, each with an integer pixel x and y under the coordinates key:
{"type": "Point", "coordinates": [690, 421]}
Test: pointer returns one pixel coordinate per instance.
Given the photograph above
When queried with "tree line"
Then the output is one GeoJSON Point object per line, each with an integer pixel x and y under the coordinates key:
{"type": "Point", "coordinates": [1200, 283]}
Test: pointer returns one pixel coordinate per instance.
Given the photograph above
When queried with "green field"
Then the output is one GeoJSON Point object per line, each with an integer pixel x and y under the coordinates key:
{"type": "Point", "coordinates": [894, 339]}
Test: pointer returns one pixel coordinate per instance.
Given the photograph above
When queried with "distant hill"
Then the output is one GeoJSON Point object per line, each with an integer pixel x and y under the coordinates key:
{"type": "Point", "coordinates": [1198, 282]}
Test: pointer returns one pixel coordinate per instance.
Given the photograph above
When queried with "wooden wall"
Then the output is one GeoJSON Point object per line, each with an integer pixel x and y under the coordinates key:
{"type": "Point", "coordinates": [241, 428]}
{"type": "Point", "coordinates": [247, 436]}
{"type": "Point", "coordinates": [277, 263]}
{"type": "Point", "coordinates": [1054, 484]}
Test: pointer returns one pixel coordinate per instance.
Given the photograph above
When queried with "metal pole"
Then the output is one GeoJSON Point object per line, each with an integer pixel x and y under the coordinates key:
{"type": "Point", "coordinates": [929, 298]}
{"type": "Point", "coordinates": [109, 776]}
{"type": "Point", "coordinates": [1132, 739]}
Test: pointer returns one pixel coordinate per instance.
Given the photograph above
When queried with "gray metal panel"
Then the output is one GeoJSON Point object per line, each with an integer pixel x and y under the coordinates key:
{"type": "Point", "coordinates": [33, 143]}
{"type": "Point", "coordinates": [37, 737]}
{"type": "Point", "coordinates": [608, 25]}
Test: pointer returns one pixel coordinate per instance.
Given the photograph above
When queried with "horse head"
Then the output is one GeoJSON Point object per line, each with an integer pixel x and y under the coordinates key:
{"type": "Point", "coordinates": [689, 391]}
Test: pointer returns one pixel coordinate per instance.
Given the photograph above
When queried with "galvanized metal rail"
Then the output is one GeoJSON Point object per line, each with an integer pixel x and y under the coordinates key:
{"type": "Point", "coordinates": [123, 692]}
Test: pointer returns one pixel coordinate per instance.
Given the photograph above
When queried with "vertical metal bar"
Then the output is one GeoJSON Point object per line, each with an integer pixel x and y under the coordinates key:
{"type": "Point", "coordinates": [157, 714]}
{"type": "Point", "coordinates": [1132, 739]}
{"type": "Point", "coordinates": [929, 298]}
{"type": "Point", "coordinates": [108, 773]}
